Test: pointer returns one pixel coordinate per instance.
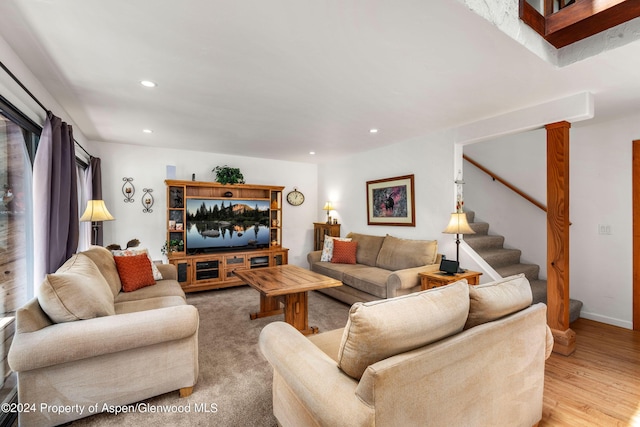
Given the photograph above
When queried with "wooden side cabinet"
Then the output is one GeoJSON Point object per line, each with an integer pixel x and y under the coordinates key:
{"type": "Point", "coordinates": [436, 279]}
{"type": "Point", "coordinates": [321, 229]}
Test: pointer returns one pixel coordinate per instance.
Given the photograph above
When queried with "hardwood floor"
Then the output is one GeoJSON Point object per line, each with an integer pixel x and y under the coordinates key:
{"type": "Point", "coordinates": [599, 384]}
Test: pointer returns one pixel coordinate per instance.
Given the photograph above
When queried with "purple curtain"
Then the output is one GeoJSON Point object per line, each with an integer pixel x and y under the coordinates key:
{"type": "Point", "coordinates": [56, 224]}
{"type": "Point", "coordinates": [96, 191]}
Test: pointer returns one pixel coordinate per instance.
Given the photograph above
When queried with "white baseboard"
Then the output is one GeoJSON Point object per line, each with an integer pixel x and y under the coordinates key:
{"type": "Point", "coordinates": [608, 320]}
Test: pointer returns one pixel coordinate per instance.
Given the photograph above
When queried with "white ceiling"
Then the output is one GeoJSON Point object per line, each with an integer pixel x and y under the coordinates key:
{"type": "Point", "coordinates": [281, 78]}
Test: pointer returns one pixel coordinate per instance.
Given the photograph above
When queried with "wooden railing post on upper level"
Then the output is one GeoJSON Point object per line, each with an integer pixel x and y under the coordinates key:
{"type": "Point", "coordinates": [577, 20]}
{"type": "Point", "coordinates": [558, 237]}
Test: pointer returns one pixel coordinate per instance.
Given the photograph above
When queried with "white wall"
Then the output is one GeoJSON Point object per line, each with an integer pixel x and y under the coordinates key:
{"type": "Point", "coordinates": [148, 168]}
{"type": "Point", "coordinates": [600, 194]}
{"type": "Point", "coordinates": [521, 160]}
{"type": "Point", "coordinates": [429, 158]}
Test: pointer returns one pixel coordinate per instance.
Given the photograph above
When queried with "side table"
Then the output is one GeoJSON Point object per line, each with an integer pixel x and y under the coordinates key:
{"type": "Point", "coordinates": [435, 279]}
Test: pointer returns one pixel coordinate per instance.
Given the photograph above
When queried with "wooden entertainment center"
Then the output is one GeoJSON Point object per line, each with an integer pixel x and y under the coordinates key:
{"type": "Point", "coordinates": [214, 269]}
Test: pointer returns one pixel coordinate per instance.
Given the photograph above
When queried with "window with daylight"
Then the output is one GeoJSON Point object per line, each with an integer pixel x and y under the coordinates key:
{"type": "Point", "coordinates": [18, 140]}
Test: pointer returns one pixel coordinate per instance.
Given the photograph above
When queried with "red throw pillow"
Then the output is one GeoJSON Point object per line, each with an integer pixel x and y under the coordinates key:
{"type": "Point", "coordinates": [134, 271]}
{"type": "Point", "coordinates": [344, 252]}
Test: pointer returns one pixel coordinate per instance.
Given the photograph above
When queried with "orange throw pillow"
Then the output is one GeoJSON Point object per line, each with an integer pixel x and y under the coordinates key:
{"type": "Point", "coordinates": [134, 271]}
{"type": "Point", "coordinates": [344, 252]}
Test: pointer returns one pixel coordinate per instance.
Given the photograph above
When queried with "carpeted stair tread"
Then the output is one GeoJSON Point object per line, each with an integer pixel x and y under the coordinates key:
{"type": "Point", "coordinates": [574, 310]}
{"type": "Point", "coordinates": [471, 216]}
{"type": "Point", "coordinates": [506, 262]}
{"type": "Point", "coordinates": [479, 227]}
{"type": "Point", "coordinates": [539, 290]}
{"type": "Point", "coordinates": [500, 257]}
{"type": "Point", "coordinates": [530, 270]}
{"type": "Point", "coordinates": [484, 241]}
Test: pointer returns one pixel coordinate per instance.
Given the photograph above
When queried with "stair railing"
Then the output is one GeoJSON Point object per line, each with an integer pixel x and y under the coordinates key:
{"type": "Point", "coordinates": [505, 183]}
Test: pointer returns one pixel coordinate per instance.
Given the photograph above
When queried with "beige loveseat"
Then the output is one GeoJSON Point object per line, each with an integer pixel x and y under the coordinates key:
{"type": "Point", "coordinates": [83, 344]}
{"type": "Point", "coordinates": [385, 267]}
{"type": "Point", "coordinates": [458, 355]}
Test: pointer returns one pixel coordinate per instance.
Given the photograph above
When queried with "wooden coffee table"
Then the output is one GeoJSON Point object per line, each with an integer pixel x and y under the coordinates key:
{"type": "Point", "coordinates": [288, 284]}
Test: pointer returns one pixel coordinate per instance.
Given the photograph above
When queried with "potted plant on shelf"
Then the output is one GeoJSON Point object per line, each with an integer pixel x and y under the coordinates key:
{"type": "Point", "coordinates": [228, 175]}
{"type": "Point", "coordinates": [170, 246]}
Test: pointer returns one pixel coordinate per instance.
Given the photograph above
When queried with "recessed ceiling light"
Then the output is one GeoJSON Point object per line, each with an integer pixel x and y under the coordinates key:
{"type": "Point", "coordinates": [373, 130]}
{"type": "Point", "coordinates": [147, 131]}
{"type": "Point", "coordinates": [148, 83]}
{"type": "Point", "coordinates": [312, 152]}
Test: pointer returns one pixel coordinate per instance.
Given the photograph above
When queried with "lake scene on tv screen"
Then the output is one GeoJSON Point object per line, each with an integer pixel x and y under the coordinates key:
{"type": "Point", "coordinates": [219, 224]}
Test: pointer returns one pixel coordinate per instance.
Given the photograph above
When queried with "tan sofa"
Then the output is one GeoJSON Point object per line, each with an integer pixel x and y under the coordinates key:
{"type": "Point", "coordinates": [450, 356]}
{"type": "Point", "coordinates": [85, 344]}
{"type": "Point", "coordinates": [386, 267]}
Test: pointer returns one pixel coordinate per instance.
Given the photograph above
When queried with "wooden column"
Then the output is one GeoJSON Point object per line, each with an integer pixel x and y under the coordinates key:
{"type": "Point", "coordinates": [558, 237]}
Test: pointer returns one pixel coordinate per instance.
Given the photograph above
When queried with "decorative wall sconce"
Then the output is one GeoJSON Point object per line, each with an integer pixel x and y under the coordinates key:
{"type": "Point", "coordinates": [459, 195]}
{"type": "Point", "coordinates": [147, 200]}
{"type": "Point", "coordinates": [128, 190]}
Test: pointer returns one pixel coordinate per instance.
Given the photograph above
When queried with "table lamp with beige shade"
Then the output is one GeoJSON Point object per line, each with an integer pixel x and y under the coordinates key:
{"type": "Point", "coordinates": [458, 225]}
{"type": "Point", "coordinates": [328, 207]}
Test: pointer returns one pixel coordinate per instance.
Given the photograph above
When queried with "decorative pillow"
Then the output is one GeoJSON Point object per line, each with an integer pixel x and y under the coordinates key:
{"type": "Point", "coordinates": [103, 259]}
{"type": "Point", "coordinates": [344, 252]}
{"type": "Point", "coordinates": [327, 250]}
{"type": "Point", "coordinates": [398, 254]}
{"type": "Point", "coordinates": [138, 251]}
{"type": "Point", "coordinates": [135, 272]}
{"type": "Point", "coordinates": [491, 301]}
{"type": "Point", "coordinates": [76, 291]}
{"type": "Point", "coordinates": [380, 329]}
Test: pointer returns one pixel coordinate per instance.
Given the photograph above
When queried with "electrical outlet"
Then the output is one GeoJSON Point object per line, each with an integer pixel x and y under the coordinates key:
{"type": "Point", "coordinates": [604, 229]}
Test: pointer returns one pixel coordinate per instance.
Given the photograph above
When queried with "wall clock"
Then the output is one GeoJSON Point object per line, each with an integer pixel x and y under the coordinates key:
{"type": "Point", "coordinates": [295, 198]}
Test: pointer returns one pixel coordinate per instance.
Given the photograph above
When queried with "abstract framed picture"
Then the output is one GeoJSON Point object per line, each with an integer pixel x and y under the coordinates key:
{"type": "Point", "coordinates": [390, 201]}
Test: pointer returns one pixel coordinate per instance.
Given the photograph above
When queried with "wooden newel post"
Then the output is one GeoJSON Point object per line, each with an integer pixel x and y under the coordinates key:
{"type": "Point", "coordinates": [558, 237]}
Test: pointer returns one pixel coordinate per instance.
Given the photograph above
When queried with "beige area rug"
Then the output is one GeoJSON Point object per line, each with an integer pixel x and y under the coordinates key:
{"type": "Point", "coordinates": [234, 384]}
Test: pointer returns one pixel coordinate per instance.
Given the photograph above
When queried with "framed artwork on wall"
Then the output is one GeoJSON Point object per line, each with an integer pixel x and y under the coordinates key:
{"type": "Point", "coordinates": [390, 201]}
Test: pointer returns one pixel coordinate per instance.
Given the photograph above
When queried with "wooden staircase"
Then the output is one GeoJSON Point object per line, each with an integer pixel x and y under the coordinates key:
{"type": "Point", "coordinates": [506, 262]}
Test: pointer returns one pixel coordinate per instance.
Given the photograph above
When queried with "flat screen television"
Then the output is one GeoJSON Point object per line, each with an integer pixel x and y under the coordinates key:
{"type": "Point", "coordinates": [226, 224]}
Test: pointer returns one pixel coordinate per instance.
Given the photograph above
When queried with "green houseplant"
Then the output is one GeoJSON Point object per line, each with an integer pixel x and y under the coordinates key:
{"type": "Point", "coordinates": [228, 175]}
{"type": "Point", "coordinates": [173, 245]}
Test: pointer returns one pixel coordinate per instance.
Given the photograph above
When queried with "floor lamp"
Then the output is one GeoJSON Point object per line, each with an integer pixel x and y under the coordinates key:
{"type": "Point", "coordinates": [458, 225]}
{"type": "Point", "coordinates": [95, 212]}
